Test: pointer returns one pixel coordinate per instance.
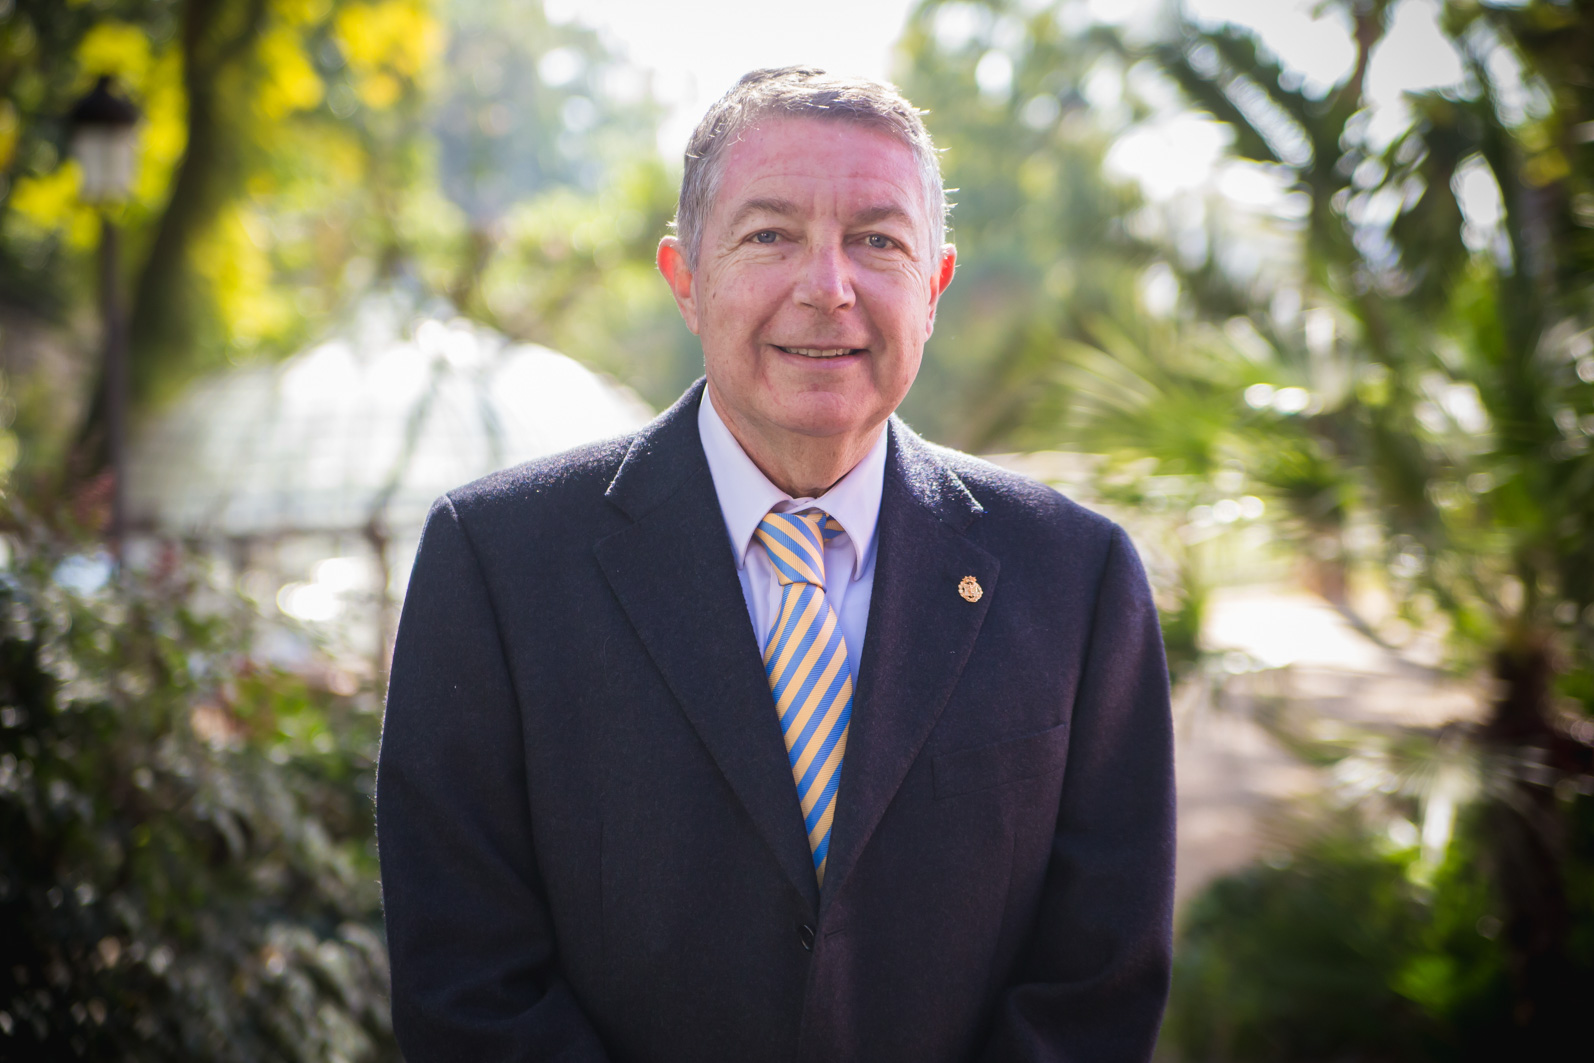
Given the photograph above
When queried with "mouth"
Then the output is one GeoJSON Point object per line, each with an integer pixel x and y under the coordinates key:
{"type": "Point", "coordinates": [820, 352]}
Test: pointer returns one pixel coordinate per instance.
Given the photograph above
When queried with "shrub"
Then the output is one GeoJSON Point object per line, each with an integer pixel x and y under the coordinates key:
{"type": "Point", "coordinates": [187, 867]}
{"type": "Point", "coordinates": [1343, 953]}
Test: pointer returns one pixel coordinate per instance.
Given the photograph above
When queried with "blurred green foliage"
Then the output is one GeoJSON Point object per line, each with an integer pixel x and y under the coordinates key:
{"type": "Point", "coordinates": [1344, 949]}
{"type": "Point", "coordinates": [293, 154]}
{"type": "Point", "coordinates": [1447, 365]}
{"type": "Point", "coordinates": [1332, 952]}
{"type": "Point", "coordinates": [187, 866]}
{"type": "Point", "coordinates": [550, 195]}
{"type": "Point", "coordinates": [1044, 255]}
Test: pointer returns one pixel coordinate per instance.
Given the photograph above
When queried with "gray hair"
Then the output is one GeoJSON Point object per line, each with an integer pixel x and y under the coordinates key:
{"type": "Point", "coordinates": [799, 92]}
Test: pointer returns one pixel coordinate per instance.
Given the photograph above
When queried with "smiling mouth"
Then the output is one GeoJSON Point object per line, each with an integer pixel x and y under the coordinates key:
{"type": "Point", "coordinates": [820, 352]}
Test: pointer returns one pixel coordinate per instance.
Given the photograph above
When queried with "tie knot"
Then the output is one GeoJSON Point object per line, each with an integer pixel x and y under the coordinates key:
{"type": "Point", "coordinates": [795, 543]}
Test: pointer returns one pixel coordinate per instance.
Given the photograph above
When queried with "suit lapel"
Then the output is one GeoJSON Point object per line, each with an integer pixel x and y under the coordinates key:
{"type": "Point", "coordinates": [920, 634]}
{"type": "Point", "coordinates": [675, 576]}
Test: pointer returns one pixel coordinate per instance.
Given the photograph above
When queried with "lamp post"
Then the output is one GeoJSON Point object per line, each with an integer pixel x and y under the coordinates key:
{"type": "Point", "coordinates": [103, 135]}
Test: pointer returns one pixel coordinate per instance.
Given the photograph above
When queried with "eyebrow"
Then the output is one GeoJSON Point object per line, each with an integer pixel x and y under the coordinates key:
{"type": "Point", "coordinates": [786, 208]}
{"type": "Point", "coordinates": [883, 212]}
{"type": "Point", "coordinates": [780, 207]}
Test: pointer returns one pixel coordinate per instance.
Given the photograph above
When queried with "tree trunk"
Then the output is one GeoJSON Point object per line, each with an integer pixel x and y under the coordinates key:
{"type": "Point", "coordinates": [161, 327]}
{"type": "Point", "coordinates": [1527, 845]}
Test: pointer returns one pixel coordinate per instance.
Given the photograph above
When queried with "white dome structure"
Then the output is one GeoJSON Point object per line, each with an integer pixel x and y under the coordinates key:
{"type": "Point", "coordinates": [309, 480]}
{"type": "Point", "coordinates": [372, 426]}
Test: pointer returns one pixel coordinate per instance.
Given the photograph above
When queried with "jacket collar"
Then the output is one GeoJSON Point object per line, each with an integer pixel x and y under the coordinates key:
{"type": "Point", "coordinates": [663, 456]}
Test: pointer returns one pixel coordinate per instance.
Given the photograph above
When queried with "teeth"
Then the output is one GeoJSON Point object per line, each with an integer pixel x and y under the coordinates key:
{"type": "Point", "coordinates": [818, 352]}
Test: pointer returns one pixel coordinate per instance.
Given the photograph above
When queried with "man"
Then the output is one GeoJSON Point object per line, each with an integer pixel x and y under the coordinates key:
{"type": "Point", "coordinates": [773, 732]}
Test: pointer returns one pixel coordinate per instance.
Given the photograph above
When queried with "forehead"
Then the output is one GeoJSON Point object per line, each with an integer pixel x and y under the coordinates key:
{"type": "Point", "coordinates": [820, 162]}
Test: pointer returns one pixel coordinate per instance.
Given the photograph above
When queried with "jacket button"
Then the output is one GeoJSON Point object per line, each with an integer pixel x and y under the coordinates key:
{"type": "Point", "coordinates": [805, 934]}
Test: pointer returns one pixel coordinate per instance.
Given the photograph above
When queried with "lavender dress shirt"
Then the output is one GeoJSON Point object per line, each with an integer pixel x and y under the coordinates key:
{"type": "Point", "coordinates": [745, 495]}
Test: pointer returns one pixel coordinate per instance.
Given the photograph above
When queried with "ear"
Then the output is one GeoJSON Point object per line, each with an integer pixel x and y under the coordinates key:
{"type": "Point", "coordinates": [945, 266]}
{"type": "Point", "coordinates": [671, 260]}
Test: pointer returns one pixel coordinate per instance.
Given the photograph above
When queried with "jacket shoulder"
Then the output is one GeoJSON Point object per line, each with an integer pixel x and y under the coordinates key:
{"type": "Point", "coordinates": [1013, 499]}
{"type": "Point", "coordinates": [555, 483]}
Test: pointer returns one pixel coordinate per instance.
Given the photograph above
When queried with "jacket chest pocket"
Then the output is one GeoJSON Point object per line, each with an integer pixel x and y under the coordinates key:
{"type": "Point", "coordinates": [1010, 760]}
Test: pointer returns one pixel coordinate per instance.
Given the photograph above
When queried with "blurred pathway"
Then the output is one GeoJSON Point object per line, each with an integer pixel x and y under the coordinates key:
{"type": "Point", "coordinates": [1235, 780]}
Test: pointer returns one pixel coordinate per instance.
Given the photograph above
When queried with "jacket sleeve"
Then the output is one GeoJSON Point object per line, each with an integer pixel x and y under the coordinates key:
{"type": "Point", "coordinates": [1092, 983]}
{"type": "Point", "coordinates": [475, 972]}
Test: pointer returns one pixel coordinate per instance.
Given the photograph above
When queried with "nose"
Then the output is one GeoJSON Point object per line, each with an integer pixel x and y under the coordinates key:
{"type": "Point", "coordinates": [825, 283]}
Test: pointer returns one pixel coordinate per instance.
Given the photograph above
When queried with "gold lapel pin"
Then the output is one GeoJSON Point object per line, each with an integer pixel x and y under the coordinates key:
{"type": "Point", "coordinates": [970, 589]}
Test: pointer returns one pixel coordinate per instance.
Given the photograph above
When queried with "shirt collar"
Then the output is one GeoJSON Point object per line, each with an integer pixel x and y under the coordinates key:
{"type": "Point", "coordinates": [745, 493]}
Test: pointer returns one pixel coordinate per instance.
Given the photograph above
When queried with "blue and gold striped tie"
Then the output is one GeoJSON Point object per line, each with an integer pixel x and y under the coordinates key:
{"type": "Point", "coordinates": [806, 660]}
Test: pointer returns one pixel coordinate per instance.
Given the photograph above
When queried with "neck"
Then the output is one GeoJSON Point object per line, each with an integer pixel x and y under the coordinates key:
{"type": "Point", "coordinates": [802, 466]}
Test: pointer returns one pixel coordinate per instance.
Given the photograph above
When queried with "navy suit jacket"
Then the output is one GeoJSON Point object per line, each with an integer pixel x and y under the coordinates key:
{"type": "Point", "coordinates": [591, 844]}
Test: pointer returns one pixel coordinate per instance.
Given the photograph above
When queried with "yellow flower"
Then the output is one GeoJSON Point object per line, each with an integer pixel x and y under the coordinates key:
{"type": "Point", "coordinates": [118, 49]}
{"type": "Point", "coordinates": [50, 203]}
{"type": "Point", "coordinates": [163, 133]}
{"type": "Point", "coordinates": [233, 257]}
{"type": "Point", "coordinates": [301, 12]}
{"type": "Point", "coordinates": [290, 83]}
{"type": "Point", "coordinates": [386, 43]}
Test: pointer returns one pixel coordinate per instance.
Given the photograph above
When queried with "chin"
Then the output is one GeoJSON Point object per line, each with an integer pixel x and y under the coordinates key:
{"type": "Point", "coordinates": [828, 419]}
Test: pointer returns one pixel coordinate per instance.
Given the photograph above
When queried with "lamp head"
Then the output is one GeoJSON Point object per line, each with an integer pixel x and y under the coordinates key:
{"type": "Point", "coordinates": [103, 125]}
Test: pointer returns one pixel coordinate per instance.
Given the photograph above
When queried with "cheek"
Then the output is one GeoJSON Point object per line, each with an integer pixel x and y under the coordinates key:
{"type": "Point", "coordinates": [906, 369]}
{"type": "Point", "coordinates": [902, 308]}
{"type": "Point", "coordinates": [741, 287]}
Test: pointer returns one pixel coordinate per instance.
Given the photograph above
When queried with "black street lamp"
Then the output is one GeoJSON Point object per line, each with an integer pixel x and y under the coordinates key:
{"type": "Point", "coordinates": [103, 140]}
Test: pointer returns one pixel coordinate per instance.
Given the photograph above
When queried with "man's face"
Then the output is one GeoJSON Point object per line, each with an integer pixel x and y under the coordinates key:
{"type": "Point", "coordinates": [816, 284]}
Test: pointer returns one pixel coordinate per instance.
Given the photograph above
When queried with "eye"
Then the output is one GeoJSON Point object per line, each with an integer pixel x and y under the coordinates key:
{"type": "Point", "coordinates": [765, 237]}
{"type": "Point", "coordinates": [878, 242]}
